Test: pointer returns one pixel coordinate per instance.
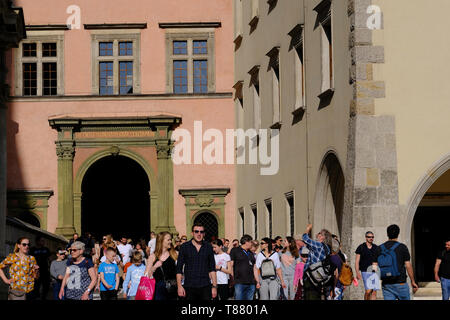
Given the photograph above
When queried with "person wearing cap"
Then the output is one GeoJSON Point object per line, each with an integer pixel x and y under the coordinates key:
{"type": "Point", "coordinates": [57, 271]}
{"type": "Point", "coordinates": [80, 276]}
{"type": "Point", "coordinates": [298, 276]}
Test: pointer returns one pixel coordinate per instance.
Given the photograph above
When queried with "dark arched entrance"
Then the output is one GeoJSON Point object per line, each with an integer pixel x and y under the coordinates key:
{"type": "Point", "coordinates": [431, 227]}
{"type": "Point", "coordinates": [115, 199]}
{"type": "Point", "coordinates": [29, 218]}
{"type": "Point", "coordinates": [210, 223]}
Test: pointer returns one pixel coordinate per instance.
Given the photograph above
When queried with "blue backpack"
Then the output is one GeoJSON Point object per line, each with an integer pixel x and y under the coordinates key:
{"type": "Point", "coordinates": [387, 262]}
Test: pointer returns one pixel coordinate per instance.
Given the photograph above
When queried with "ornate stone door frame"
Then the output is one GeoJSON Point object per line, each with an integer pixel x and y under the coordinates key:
{"type": "Point", "coordinates": [114, 135]}
{"type": "Point", "coordinates": [205, 200]}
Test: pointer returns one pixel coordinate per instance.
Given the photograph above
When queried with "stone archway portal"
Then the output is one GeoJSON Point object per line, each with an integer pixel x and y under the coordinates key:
{"type": "Point", "coordinates": [83, 140]}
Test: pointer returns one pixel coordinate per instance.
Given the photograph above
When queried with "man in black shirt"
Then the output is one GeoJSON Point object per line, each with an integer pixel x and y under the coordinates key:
{"type": "Point", "coordinates": [365, 257]}
{"type": "Point", "coordinates": [196, 261]}
{"type": "Point", "coordinates": [243, 264]}
{"type": "Point", "coordinates": [442, 270]}
{"type": "Point", "coordinates": [396, 288]}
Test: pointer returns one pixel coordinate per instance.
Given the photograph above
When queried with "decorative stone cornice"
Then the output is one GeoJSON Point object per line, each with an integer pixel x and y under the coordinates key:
{"type": "Point", "coordinates": [114, 123]}
{"type": "Point", "coordinates": [219, 192]}
{"type": "Point", "coordinates": [46, 27]}
{"type": "Point", "coordinates": [102, 26]}
{"type": "Point", "coordinates": [171, 25]}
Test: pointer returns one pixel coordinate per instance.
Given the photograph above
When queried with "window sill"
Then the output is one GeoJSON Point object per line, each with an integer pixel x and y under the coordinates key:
{"type": "Point", "coordinates": [325, 98]}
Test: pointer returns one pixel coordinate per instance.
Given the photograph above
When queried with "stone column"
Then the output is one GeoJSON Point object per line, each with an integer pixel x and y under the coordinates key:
{"type": "Point", "coordinates": [65, 151]}
{"type": "Point", "coordinates": [165, 220]}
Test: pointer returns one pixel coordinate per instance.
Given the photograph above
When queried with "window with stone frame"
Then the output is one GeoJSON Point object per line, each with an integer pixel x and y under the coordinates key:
{"type": "Point", "coordinates": [116, 61]}
{"type": "Point", "coordinates": [269, 224]}
{"type": "Point", "coordinates": [242, 221]}
{"type": "Point", "coordinates": [290, 212]}
{"type": "Point", "coordinates": [297, 44]}
{"type": "Point", "coordinates": [39, 65]}
{"type": "Point", "coordinates": [274, 69]}
{"type": "Point", "coordinates": [255, 220]}
{"type": "Point", "coordinates": [190, 62]}
{"type": "Point", "coordinates": [254, 84]}
{"type": "Point", "coordinates": [324, 19]}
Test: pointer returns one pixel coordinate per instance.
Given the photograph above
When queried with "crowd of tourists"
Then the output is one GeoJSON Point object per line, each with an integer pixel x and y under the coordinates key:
{"type": "Point", "coordinates": [303, 267]}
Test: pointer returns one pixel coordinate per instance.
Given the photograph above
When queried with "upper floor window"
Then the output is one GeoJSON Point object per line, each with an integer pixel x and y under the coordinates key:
{"type": "Point", "coordinates": [324, 18]}
{"type": "Point", "coordinates": [190, 62]}
{"type": "Point", "coordinates": [254, 84]}
{"type": "Point", "coordinates": [297, 43]}
{"type": "Point", "coordinates": [39, 65]}
{"type": "Point", "coordinates": [116, 60]}
{"type": "Point", "coordinates": [274, 69]}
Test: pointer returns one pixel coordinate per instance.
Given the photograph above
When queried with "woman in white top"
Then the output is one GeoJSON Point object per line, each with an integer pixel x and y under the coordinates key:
{"type": "Point", "coordinates": [223, 269]}
{"type": "Point", "coordinates": [267, 268]}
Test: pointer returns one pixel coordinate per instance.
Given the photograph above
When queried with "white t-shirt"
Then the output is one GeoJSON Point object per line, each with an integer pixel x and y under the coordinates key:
{"type": "Point", "coordinates": [125, 250]}
{"type": "Point", "coordinates": [221, 261]}
{"type": "Point", "coordinates": [274, 257]}
{"type": "Point", "coordinates": [152, 245]}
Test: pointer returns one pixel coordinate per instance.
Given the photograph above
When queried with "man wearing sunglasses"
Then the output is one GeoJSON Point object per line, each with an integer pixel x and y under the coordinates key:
{"type": "Point", "coordinates": [196, 261]}
{"type": "Point", "coordinates": [365, 258]}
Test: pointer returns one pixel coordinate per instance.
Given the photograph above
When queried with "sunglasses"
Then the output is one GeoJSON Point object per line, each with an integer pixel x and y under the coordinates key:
{"type": "Point", "coordinates": [263, 242]}
{"type": "Point", "coordinates": [25, 244]}
{"type": "Point", "coordinates": [304, 255]}
{"type": "Point", "coordinates": [370, 237]}
{"type": "Point", "coordinates": [198, 231]}
{"type": "Point", "coordinates": [74, 250]}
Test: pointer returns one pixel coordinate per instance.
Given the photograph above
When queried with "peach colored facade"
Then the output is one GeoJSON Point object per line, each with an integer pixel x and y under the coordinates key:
{"type": "Point", "coordinates": [32, 160]}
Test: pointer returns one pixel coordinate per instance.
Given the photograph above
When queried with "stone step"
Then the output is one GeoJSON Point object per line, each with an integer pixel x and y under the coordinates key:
{"type": "Point", "coordinates": [433, 284]}
{"type": "Point", "coordinates": [427, 293]}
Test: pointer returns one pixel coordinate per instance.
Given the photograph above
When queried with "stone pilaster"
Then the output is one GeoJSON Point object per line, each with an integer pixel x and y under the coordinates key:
{"type": "Point", "coordinates": [371, 191]}
{"type": "Point", "coordinates": [65, 151]}
{"type": "Point", "coordinates": [165, 220]}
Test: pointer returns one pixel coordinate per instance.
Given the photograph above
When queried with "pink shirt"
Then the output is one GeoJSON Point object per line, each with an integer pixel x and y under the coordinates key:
{"type": "Point", "coordinates": [298, 272]}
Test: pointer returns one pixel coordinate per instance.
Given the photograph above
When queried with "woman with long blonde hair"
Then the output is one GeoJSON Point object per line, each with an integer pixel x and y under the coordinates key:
{"type": "Point", "coordinates": [162, 266]}
{"type": "Point", "coordinates": [22, 269]}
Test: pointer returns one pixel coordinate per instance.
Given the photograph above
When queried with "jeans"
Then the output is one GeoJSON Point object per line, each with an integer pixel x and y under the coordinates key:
{"type": "Point", "coordinates": [269, 290]}
{"type": "Point", "coordinates": [445, 285]}
{"type": "Point", "coordinates": [396, 291]}
{"type": "Point", "coordinates": [56, 288]}
{"type": "Point", "coordinates": [289, 290]}
{"type": "Point", "coordinates": [244, 291]}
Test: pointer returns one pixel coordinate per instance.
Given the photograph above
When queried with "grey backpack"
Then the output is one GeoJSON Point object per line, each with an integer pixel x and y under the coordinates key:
{"type": "Point", "coordinates": [268, 268]}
